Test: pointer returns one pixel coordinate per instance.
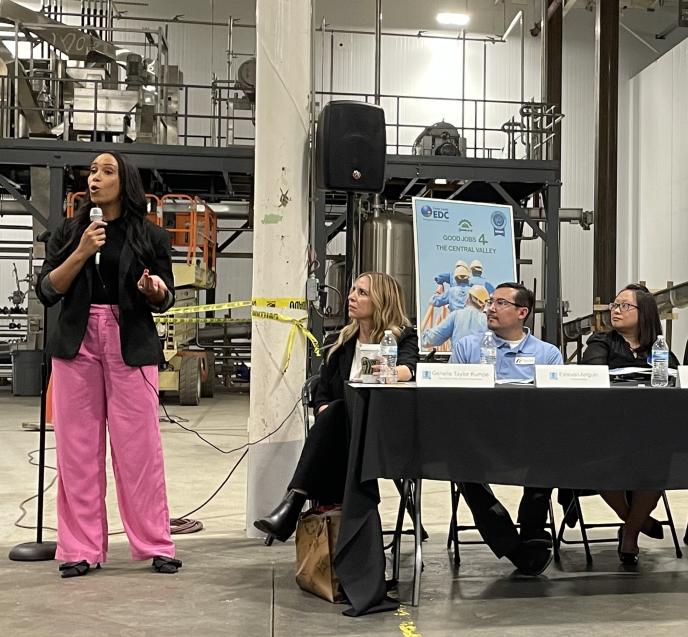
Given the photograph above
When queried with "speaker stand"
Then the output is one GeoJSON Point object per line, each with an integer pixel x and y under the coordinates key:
{"type": "Point", "coordinates": [39, 550]}
{"type": "Point", "coordinates": [351, 248]}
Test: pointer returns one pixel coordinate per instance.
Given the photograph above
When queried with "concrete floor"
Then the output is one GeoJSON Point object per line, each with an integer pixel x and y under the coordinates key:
{"type": "Point", "coordinates": [231, 585]}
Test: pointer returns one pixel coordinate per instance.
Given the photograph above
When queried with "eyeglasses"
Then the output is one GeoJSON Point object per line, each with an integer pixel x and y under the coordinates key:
{"type": "Point", "coordinates": [624, 307]}
{"type": "Point", "coordinates": [501, 303]}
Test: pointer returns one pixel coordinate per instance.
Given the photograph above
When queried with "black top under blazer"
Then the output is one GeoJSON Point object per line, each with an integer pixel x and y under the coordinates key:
{"type": "Point", "coordinates": [138, 336]}
{"type": "Point", "coordinates": [335, 371]}
{"type": "Point", "coordinates": [610, 348]}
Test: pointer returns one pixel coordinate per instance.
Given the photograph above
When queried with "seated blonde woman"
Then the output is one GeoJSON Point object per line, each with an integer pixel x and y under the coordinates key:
{"type": "Point", "coordinates": [375, 305]}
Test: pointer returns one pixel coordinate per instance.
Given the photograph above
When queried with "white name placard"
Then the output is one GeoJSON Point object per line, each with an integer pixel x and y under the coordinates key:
{"type": "Point", "coordinates": [596, 376]}
{"type": "Point", "coordinates": [682, 377]}
{"type": "Point", "coordinates": [454, 375]}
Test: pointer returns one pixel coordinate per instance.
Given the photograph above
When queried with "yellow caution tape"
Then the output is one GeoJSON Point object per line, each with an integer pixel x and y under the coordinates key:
{"type": "Point", "coordinates": [285, 303]}
{"type": "Point", "coordinates": [198, 319]}
{"type": "Point", "coordinates": [290, 303]}
{"type": "Point", "coordinates": [297, 325]}
{"type": "Point", "coordinates": [211, 307]}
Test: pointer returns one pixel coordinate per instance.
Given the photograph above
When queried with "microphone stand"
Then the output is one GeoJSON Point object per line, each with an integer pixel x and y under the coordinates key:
{"type": "Point", "coordinates": [39, 550]}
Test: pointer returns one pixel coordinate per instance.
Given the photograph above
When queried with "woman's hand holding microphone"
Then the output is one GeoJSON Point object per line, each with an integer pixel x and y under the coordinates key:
{"type": "Point", "coordinates": [92, 239]}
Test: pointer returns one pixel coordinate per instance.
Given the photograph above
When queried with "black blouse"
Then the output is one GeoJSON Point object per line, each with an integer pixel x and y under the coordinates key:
{"type": "Point", "coordinates": [610, 348]}
{"type": "Point", "coordinates": [106, 284]}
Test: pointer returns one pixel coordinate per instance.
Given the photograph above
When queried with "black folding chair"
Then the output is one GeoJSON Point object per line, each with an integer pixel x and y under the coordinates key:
{"type": "Point", "coordinates": [575, 512]}
{"type": "Point", "coordinates": [411, 501]}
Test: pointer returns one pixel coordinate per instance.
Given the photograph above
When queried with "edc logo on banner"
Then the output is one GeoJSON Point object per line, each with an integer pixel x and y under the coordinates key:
{"type": "Point", "coordinates": [463, 250]}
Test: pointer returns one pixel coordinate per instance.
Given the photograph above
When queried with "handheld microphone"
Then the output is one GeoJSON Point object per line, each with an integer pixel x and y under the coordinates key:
{"type": "Point", "coordinates": [96, 214]}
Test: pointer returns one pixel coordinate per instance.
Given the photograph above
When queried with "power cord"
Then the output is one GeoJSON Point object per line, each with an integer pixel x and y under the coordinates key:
{"type": "Point", "coordinates": [182, 524]}
{"type": "Point", "coordinates": [22, 504]}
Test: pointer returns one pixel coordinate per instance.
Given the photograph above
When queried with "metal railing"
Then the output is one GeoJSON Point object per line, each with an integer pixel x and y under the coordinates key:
{"type": "Point", "coordinates": [492, 128]}
{"type": "Point", "coordinates": [105, 118]}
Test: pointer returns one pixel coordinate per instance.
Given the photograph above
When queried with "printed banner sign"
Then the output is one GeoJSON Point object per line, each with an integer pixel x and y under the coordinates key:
{"type": "Point", "coordinates": [463, 250]}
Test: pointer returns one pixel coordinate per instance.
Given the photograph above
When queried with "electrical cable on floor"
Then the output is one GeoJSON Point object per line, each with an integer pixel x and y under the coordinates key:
{"type": "Point", "coordinates": [181, 525]}
{"type": "Point", "coordinates": [22, 504]}
{"type": "Point", "coordinates": [222, 484]}
{"type": "Point", "coordinates": [173, 420]}
{"type": "Point", "coordinates": [185, 525]}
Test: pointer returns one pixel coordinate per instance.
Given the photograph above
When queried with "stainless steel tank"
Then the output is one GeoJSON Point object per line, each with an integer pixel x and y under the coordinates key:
{"type": "Point", "coordinates": [387, 246]}
{"type": "Point", "coordinates": [334, 278]}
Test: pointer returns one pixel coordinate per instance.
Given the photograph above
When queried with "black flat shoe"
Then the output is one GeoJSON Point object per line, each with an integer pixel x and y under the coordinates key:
{"type": "Point", "coordinates": [281, 523]}
{"type": "Point", "coordinates": [75, 569]}
{"type": "Point", "coordinates": [164, 564]}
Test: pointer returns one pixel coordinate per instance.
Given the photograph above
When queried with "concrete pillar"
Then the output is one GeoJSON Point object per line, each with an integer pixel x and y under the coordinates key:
{"type": "Point", "coordinates": [280, 241]}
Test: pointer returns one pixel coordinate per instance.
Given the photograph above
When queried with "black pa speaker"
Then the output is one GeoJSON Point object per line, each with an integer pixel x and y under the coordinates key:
{"type": "Point", "coordinates": [350, 147]}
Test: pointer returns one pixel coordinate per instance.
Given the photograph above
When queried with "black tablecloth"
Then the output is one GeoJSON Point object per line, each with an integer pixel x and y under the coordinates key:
{"type": "Point", "coordinates": [618, 438]}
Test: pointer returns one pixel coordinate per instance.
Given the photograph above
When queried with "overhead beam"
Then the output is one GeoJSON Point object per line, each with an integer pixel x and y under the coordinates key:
{"type": "Point", "coordinates": [520, 213]}
{"type": "Point", "coordinates": [32, 152]}
{"type": "Point", "coordinates": [10, 187]}
{"type": "Point", "coordinates": [553, 35]}
{"type": "Point", "coordinates": [606, 119]}
{"type": "Point", "coordinates": [335, 227]}
{"type": "Point", "coordinates": [233, 237]}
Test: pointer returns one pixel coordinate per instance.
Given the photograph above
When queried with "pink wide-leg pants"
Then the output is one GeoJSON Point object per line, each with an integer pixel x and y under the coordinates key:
{"type": "Point", "coordinates": [95, 388]}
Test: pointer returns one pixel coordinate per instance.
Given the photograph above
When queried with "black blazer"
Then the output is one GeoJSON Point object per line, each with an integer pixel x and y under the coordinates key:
{"type": "Point", "coordinates": [610, 348]}
{"type": "Point", "coordinates": [138, 336]}
{"type": "Point", "coordinates": [334, 372]}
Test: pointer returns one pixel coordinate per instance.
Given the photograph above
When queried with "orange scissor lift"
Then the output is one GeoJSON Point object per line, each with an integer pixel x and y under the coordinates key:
{"type": "Point", "coordinates": [192, 225]}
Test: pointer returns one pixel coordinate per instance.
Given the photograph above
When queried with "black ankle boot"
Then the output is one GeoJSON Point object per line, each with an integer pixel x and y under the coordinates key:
{"type": "Point", "coordinates": [281, 523]}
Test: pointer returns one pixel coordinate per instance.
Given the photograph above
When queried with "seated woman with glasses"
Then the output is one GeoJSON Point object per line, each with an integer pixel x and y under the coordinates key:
{"type": "Point", "coordinates": [375, 305]}
{"type": "Point", "coordinates": [635, 327]}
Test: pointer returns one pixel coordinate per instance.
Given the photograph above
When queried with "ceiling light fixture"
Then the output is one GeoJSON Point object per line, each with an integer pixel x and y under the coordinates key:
{"type": "Point", "coordinates": [454, 19]}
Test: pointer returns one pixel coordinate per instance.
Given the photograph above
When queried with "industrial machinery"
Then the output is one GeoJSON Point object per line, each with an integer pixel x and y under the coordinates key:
{"type": "Point", "coordinates": [85, 87]}
{"type": "Point", "coordinates": [441, 138]}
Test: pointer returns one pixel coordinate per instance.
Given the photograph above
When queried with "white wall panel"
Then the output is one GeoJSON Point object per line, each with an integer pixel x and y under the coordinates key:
{"type": "Point", "coordinates": [578, 158]}
{"type": "Point", "coordinates": [655, 151]}
{"type": "Point", "coordinates": [658, 177]}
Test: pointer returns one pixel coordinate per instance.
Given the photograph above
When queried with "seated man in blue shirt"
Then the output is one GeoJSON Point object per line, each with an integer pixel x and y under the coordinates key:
{"type": "Point", "coordinates": [518, 351]}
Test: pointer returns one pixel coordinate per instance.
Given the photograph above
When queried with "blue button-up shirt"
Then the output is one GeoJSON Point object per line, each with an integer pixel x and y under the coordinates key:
{"type": "Point", "coordinates": [517, 363]}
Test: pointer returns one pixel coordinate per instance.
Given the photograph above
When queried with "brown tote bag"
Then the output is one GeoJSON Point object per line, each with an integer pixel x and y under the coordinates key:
{"type": "Point", "coordinates": [316, 539]}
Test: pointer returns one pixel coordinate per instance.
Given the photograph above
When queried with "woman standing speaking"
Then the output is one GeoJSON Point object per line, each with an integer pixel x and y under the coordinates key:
{"type": "Point", "coordinates": [110, 276]}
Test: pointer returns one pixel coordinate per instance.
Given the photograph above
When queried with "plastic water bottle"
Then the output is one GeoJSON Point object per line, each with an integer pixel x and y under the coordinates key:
{"type": "Point", "coordinates": [488, 349]}
{"type": "Point", "coordinates": [660, 363]}
{"type": "Point", "coordinates": [388, 352]}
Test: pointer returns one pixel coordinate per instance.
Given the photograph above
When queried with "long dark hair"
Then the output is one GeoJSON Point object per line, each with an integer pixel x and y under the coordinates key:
{"type": "Point", "coordinates": [649, 325]}
{"type": "Point", "coordinates": [134, 208]}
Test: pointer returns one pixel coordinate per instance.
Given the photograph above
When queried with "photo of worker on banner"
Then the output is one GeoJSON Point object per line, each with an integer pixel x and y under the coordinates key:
{"type": "Point", "coordinates": [463, 250]}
